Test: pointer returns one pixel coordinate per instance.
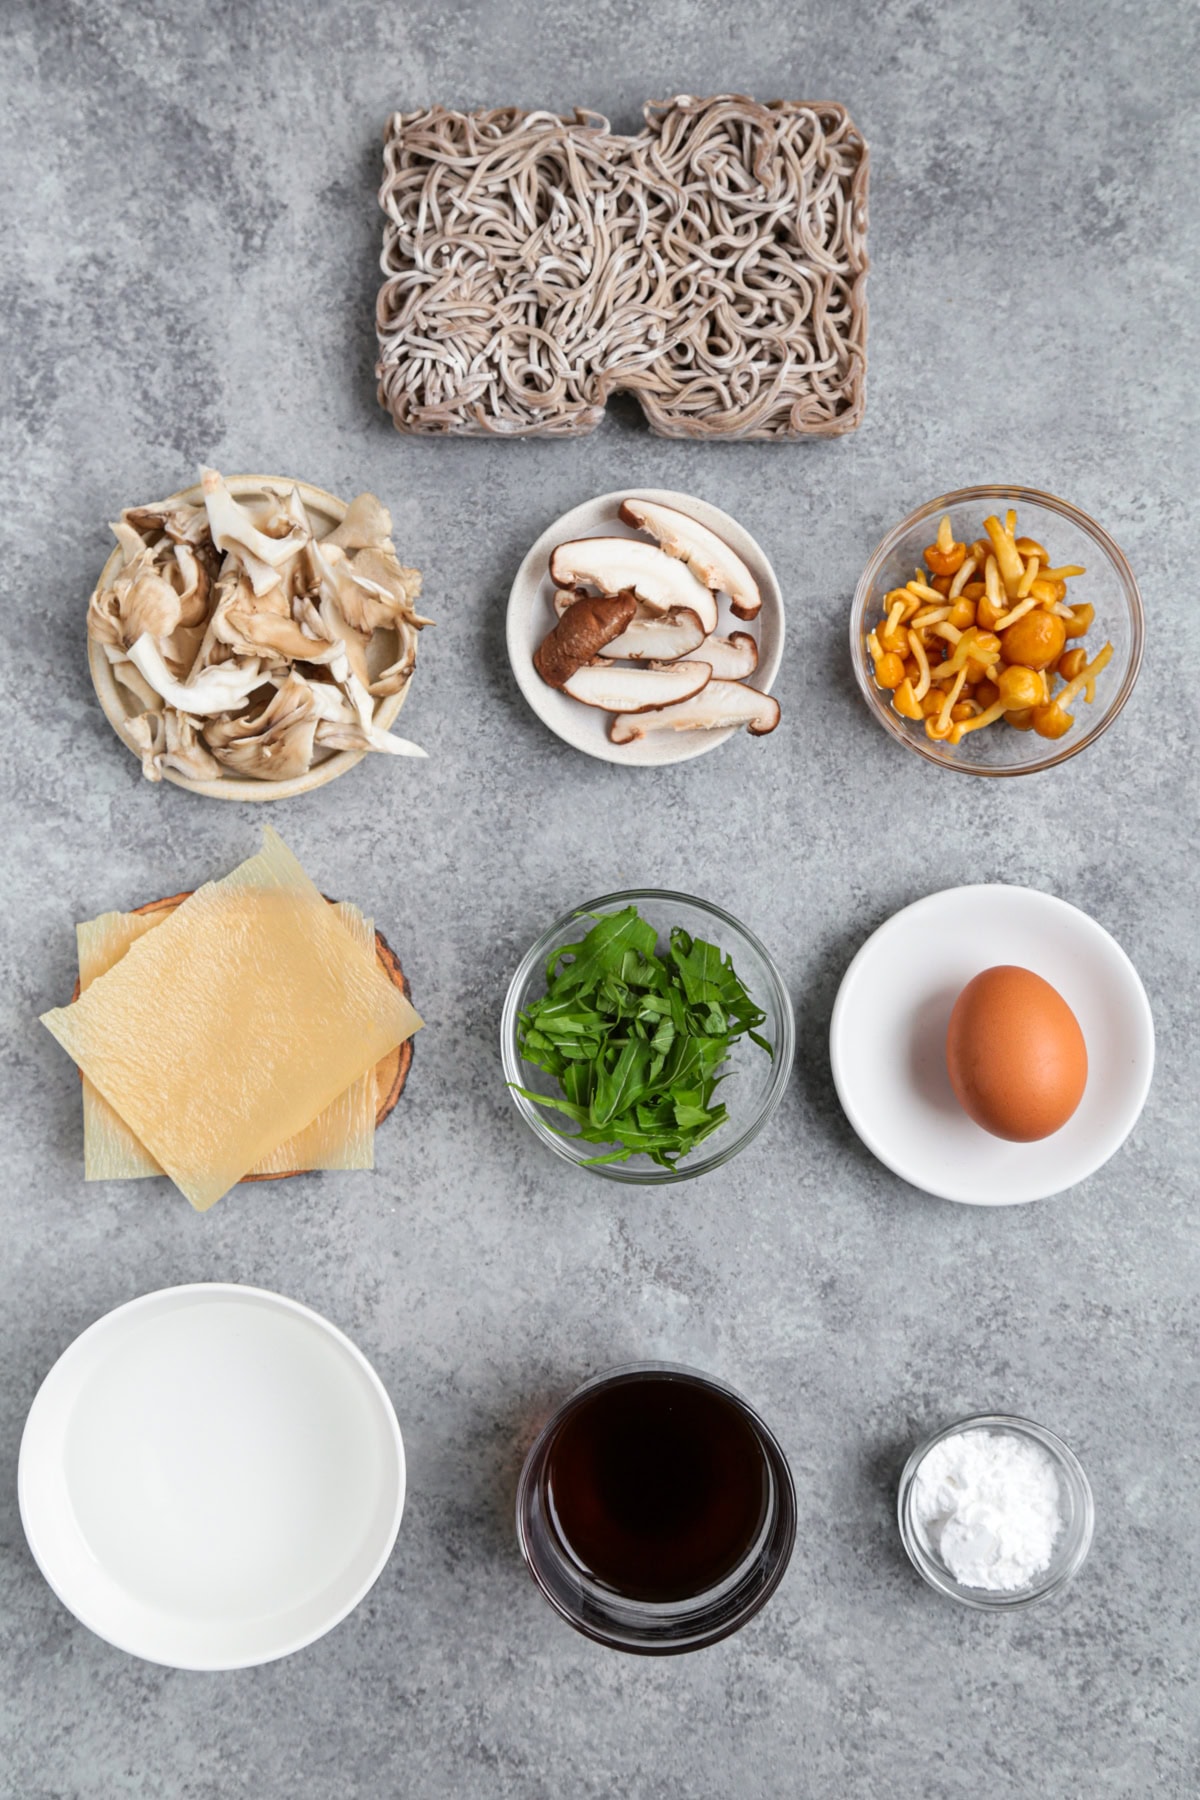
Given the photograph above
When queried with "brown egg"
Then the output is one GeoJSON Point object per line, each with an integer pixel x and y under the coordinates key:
{"type": "Point", "coordinates": [1015, 1054]}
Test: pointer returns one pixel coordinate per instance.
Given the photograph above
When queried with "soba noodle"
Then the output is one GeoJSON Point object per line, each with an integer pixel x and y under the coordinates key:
{"type": "Point", "coordinates": [714, 266]}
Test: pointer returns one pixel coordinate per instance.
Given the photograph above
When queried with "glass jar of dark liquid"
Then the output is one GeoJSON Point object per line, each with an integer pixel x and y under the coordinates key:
{"type": "Point", "coordinates": [656, 1511]}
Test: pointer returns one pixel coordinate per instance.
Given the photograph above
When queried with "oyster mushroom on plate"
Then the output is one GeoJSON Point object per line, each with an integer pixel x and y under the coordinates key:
{"type": "Point", "coordinates": [344, 721]}
{"type": "Point", "coordinates": [719, 706]}
{"type": "Point", "coordinates": [221, 688]}
{"type": "Point", "coordinates": [368, 590]}
{"type": "Point", "coordinates": [178, 520]}
{"type": "Point", "coordinates": [163, 594]}
{"type": "Point", "coordinates": [277, 743]}
{"type": "Point", "coordinates": [170, 740]}
{"type": "Point", "coordinates": [366, 526]}
{"type": "Point", "coordinates": [255, 641]}
{"type": "Point", "coordinates": [262, 554]}
{"type": "Point", "coordinates": [274, 744]}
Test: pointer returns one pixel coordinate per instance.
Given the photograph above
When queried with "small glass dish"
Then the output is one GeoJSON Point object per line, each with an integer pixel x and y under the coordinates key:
{"type": "Point", "coordinates": [755, 1082]}
{"type": "Point", "coordinates": [1070, 1548]}
{"type": "Point", "coordinates": [641, 1627]}
{"type": "Point", "coordinates": [1070, 536]}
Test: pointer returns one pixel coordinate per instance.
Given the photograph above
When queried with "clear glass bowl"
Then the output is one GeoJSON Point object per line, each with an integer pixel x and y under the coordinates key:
{"type": "Point", "coordinates": [754, 1083]}
{"type": "Point", "coordinates": [641, 1627]}
{"type": "Point", "coordinates": [1070, 1549]}
{"type": "Point", "coordinates": [1070, 536]}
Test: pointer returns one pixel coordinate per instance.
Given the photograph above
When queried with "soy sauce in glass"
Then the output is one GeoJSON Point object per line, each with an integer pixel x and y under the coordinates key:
{"type": "Point", "coordinates": [657, 1487]}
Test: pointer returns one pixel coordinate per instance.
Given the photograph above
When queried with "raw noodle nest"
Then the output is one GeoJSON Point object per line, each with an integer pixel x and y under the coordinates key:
{"type": "Point", "coordinates": [714, 266]}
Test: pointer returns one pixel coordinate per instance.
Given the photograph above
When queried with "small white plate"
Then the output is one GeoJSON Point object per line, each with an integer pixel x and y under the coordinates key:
{"type": "Point", "coordinates": [211, 1477]}
{"type": "Point", "coordinates": [531, 615]}
{"type": "Point", "coordinates": [887, 1042]}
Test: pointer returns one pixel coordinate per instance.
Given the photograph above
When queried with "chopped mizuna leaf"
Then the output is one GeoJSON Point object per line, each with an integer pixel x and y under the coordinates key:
{"type": "Point", "coordinates": [637, 1041]}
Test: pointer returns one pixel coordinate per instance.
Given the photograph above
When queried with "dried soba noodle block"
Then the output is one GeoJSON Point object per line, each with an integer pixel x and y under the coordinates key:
{"type": "Point", "coordinates": [229, 1027]}
{"type": "Point", "coordinates": [714, 265]}
{"type": "Point", "coordinates": [340, 1137]}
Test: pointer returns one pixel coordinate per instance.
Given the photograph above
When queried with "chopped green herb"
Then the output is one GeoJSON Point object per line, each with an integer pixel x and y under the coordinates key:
{"type": "Point", "coordinates": [637, 1041]}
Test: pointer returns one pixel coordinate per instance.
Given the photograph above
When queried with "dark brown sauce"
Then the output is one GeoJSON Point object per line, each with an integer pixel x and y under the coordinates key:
{"type": "Point", "coordinates": [658, 1487]}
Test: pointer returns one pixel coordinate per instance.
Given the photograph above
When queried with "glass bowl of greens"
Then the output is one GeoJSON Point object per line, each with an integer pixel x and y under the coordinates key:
{"type": "Point", "coordinates": [647, 1036]}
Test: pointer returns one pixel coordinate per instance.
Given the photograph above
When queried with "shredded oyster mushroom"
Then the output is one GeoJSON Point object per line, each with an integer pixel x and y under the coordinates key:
{"type": "Point", "coordinates": [714, 266]}
{"type": "Point", "coordinates": [246, 639]}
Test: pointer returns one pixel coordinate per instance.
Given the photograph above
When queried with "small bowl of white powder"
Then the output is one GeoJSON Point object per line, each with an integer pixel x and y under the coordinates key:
{"type": "Point", "coordinates": [996, 1511]}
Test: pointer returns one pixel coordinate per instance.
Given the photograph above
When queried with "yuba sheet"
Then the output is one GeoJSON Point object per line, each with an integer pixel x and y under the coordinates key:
{"type": "Point", "coordinates": [226, 1029]}
{"type": "Point", "coordinates": [340, 1137]}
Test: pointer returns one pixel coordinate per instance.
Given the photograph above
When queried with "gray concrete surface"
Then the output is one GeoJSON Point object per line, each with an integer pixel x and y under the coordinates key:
{"type": "Point", "coordinates": [190, 259]}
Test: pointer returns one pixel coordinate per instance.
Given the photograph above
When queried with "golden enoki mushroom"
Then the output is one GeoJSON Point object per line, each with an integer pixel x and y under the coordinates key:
{"type": "Point", "coordinates": [981, 634]}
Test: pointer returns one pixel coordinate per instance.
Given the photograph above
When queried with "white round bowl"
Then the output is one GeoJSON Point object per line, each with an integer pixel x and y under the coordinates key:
{"type": "Point", "coordinates": [211, 1477]}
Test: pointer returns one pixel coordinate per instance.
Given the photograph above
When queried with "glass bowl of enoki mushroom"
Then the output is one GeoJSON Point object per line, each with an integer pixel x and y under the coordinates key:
{"type": "Point", "coordinates": [997, 631]}
{"type": "Point", "coordinates": [252, 639]}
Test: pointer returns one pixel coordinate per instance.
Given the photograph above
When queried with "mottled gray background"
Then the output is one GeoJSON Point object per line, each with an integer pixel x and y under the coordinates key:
{"type": "Point", "coordinates": [190, 261]}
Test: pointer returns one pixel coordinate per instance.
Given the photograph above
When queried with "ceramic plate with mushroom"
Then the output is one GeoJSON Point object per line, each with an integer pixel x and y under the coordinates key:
{"type": "Point", "coordinates": [646, 627]}
{"type": "Point", "coordinates": [254, 639]}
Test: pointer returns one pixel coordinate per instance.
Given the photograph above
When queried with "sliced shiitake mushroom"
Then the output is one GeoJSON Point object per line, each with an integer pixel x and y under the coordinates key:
{"type": "Point", "coordinates": [619, 690]}
{"type": "Point", "coordinates": [651, 636]}
{"type": "Point", "coordinates": [709, 557]}
{"type": "Point", "coordinates": [732, 658]}
{"type": "Point", "coordinates": [659, 636]}
{"type": "Point", "coordinates": [616, 564]}
{"type": "Point", "coordinates": [665, 637]}
{"type": "Point", "coordinates": [719, 706]}
{"type": "Point", "coordinates": [583, 630]}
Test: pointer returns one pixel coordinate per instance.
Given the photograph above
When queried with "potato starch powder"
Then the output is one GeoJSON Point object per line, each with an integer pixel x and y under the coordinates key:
{"type": "Point", "coordinates": [987, 1504]}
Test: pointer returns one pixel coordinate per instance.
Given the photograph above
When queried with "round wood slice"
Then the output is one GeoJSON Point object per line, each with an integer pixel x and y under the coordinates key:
{"type": "Point", "coordinates": [390, 1074]}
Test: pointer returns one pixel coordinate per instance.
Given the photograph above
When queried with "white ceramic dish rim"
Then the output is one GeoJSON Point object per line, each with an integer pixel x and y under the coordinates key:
{"type": "Point", "coordinates": [585, 520]}
{"type": "Point", "coordinates": [186, 1293]}
{"type": "Point", "coordinates": [116, 710]}
{"type": "Point", "coordinates": [923, 1179]}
